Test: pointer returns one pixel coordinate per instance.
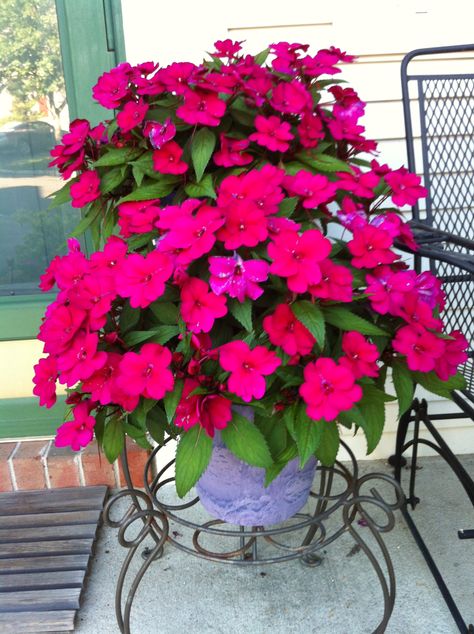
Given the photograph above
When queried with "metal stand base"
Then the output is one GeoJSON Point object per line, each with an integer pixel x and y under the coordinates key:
{"type": "Point", "coordinates": [303, 537]}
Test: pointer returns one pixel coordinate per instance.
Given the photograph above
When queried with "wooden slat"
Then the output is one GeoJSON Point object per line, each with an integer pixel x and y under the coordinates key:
{"type": "Point", "coordinates": [50, 519]}
{"type": "Point", "coordinates": [70, 499]}
{"type": "Point", "coordinates": [38, 580]}
{"type": "Point", "coordinates": [57, 547]}
{"type": "Point", "coordinates": [47, 533]}
{"type": "Point", "coordinates": [43, 564]}
{"type": "Point", "coordinates": [34, 622]}
{"type": "Point", "coordinates": [51, 599]}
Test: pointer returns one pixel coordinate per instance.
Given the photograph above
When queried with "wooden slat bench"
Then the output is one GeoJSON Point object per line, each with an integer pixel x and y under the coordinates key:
{"type": "Point", "coordinates": [46, 540]}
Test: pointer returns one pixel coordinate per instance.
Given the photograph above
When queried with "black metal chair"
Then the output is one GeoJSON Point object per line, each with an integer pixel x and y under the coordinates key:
{"type": "Point", "coordinates": [440, 145]}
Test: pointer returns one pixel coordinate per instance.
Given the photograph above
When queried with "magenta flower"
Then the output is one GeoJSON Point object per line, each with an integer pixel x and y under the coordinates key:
{"type": "Point", "coordinates": [113, 87]}
{"type": "Point", "coordinates": [146, 373]}
{"type": "Point", "coordinates": [314, 189]}
{"type": "Point", "coordinates": [159, 133]}
{"type": "Point", "coordinates": [236, 277]}
{"type": "Point", "coordinates": [81, 359]}
{"type": "Point", "coordinates": [335, 283]}
{"type": "Point", "coordinates": [287, 56]}
{"type": "Point", "coordinates": [142, 278]}
{"type": "Point", "coordinates": [286, 331]}
{"type": "Point", "coordinates": [361, 356]}
{"type": "Point", "coordinates": [131, 115]}
{"type": "Point", "coordinates": [94, 295]}
{"type": "Point", "coordinates": [232, 152]}
{"type": "Point", "coordinates": [247, 368]}
{"type": "Point", "coordinates": [262, 187]}
{"type": "Point", "coordinates": [211, 411]}
{"type": "Point", "coordinates": [138, 216]}
{"type": "Point", "coordinates": [75, 139]}
{"type": "Point", "coordinates": [421, 347]}
{"type": "Point", "coordinates": [328, 389]}
{"type": "Point", "coordinates": [386, 288]}
{"type": "Point", "coordinates": [204, 108]}
{"type": "Point", "coordinates": [454, 355]}
{"type": "Point", "coordinates": [199, 307]}
{"type": "Point", "coordinates": [60, 326]}
{"type": "Point", "coordinates": [110, 257]}
{"type": "Point", "coordinates": [359, 183]}
{"type": "Point", "coordinates": [370, 247]}
{"type": "Point", "coordinates": [167, 160]}
{"type": "Point", "coordinates": [46, 375]}
{"type": "Point", "coordinates": [86, 189]}
{"type": "Point", "coordinates": [102, 384]}
{"type": "Point", "coordinates": [227, 48]}
{"type": "Point", "coordinates": [245, 225]}
{"type": "Point", "coordinates": [297, 257]}
{"type": "Point", "coordinates": [310, 129]}
{"type": "Point", "coordinates": [78, 432]}
{"type": "Point", "coordinates": [176, 76]}
{"type": "Point", "coordinates": [272, 133]}
{"type": "Point", "coordinates": [291, 97]}
{"type": "Point", "coordinates": [406, 188]}
{"type": "Point", "coordinates": [396, 227]}
{"type": "Point", "coordinates": [348, 105]}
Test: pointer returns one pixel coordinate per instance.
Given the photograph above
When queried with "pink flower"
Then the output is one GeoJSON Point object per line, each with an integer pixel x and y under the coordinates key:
{"type": "Point", "coordinates": [245, 225]}
{"type": "Point", "coordinates": [46, 375]}
{"type": "Point", "coordinates": [236, 277]}
{"type": "Point", "coordinates": [286, 331]}
{"type": "Point", "coordinates": [348, 105]}
{"type": "Point", "coordinates": [314, 189]}
{"type": "Point", "coordinates": [199, 307]}
{"type": "Point", "coordinates": [102, 384]}
{"type": "Point", "coordinates": [454, 355]}
{"type": "Point", "coordinates": [370, 247]}
{"type": "Point", "coordinates": [81, 359]}
{"type": "Point", "coordinates": [75, 139]}
{"type": "Point", "coordinates": [335, 283]}
{"type": "Point", "coordinates": [360, 355]}
{"type": "Point", "coordinates": [272, 133]}
{"type": "Point", "coordinates": [287, 56]}
{"type": "Point", "coordinates": [137, 216]}
{"type": "Point", "coordinates": [359, 183]}
{"type": "Point", "coordinates": [95, 295]}
{"type": "Point", "coordinates": [204, 108]}
{"type": "Point", "coordinates": [146, 373]}
{"type": "Point", "coordinates": [262, 187]}
{"type": "Point", "coordinates": [86, 189]}
{"type": "Point", "coordinates": [79, 432]}
{"type": "Point", "coordinates": [112, 87]}
{"type": "Point", "coordinates": [328, 389]}
{"type": "Point", "coordinates": [159, 133]}
{"type": "Point", "coordinates": [59, 327]}
{"type": "Point", "coordinates": [227, 48]}
{"type": "Point", "coordinates": [142, 278]}
{"type": "Point", "coordinates": [167, 160]}
{"type": "Point", "coordinates": [114, 252]}
{"type": "Point", "coordinates": [190, 237]}
{"type": "Point", "coordinates": [394, 225]}
{"type": "Point", "coordinates": [415, 311]}
{"type": "Point", "coordinates": [232, 152]}
{"type": "Point", "coordinates": [211, 411]}
{"type": "Point", "coordinates": [132, 114]}
{"type": "Point", "coordinates": [406, 188]}
{"type": "Point", "coordinates": [176, 76]}
{"type": "Point", "coordinates": [247, 368]}
{"type": "Point", "coordinates": [310, 130]}
{"type": "Point", "coordinates": [297, 257]}
{"type": "Point", "coordinates": [323, 63]}
{"type": "Point", "coordinates": [386, 289]}
{"type": "Point", "coordinates": [291, 97]}
{"type": "Point", "coordinates": [420, 347]}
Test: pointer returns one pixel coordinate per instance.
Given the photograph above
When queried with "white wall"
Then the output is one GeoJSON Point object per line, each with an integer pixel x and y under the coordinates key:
{"type": "Point", "coordinates": [379, 32]}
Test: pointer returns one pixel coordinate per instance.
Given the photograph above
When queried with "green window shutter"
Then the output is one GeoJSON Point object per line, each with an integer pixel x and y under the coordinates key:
{"type": "Point", "coordinates": [92, 42]}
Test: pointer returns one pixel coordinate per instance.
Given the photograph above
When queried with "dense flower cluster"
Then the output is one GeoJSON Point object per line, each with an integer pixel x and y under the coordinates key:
{"type": "Point", "coordinates": [245, 253]}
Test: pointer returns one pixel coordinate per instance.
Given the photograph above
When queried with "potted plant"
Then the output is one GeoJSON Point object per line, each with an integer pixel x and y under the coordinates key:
{"type": "Point", "coordinates": [243, 293]}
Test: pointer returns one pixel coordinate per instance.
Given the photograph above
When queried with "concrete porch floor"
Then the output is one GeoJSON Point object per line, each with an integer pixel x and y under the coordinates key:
{"type": "Point", "coordinates": [180, 593]}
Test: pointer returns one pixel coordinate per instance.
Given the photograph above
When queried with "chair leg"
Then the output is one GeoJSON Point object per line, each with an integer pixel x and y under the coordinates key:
{"type": "Point", "coordinates": [397, 460]}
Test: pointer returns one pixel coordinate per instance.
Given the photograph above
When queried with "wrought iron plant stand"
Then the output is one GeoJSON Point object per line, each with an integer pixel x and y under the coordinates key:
{"type": "Point", "coordinates": [357, 507]}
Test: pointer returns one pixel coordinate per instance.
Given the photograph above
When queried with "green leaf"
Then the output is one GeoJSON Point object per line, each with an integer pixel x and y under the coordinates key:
{"type": "Point", "coordinates": [372, 410]}
{"type": "Point", "coordinates": [114, 439]}
{"type": "Point", "coordinates": [172, 399]}
{"type": "Point", "coordinates": [242, 311]}
{"type": "Point", "coordinates": [287, 206]}
{"type": "Point", "coordinates": [92, 215]}
{"type": "Point", "coordinates": [156, 424]}
{"type": "Point", "coordinates": [202, 146]}
{"type": "Point", "coordinates": [192, 457]}
{"type": "Point", "coordinates": [129, 317]}
{"type": "Point", "coordinates": [141, 412]}
{"type": "Point", "coordinates": [404, 386]}
{"type": "Point", "coordinates": [161, 188]}
{"type": "Point", "coordinates": [307, 434]}
{"type": "Point", "coordinates": [138, 435]}
{"type": "Point", "coordinates": [100, 425]}
{"type": "Point", "coordinates": [442, 388]}
{"type": "Point", "coordinates": [261, 57]}
{"type": "Point", "coordinates": [61, 196]}
{"type": "Point", "coordinates": [166, 312]}
{"type": "Point", "coordinates": [112, 179]}
{"type": "Point", "coordinates": [118, 156]}
{"type": "Point", "coordinates": [160, 334]}
{"type": "Point", "coordinates": [311, 317]}
{"type": "Point", "coordinates": [204, 189]}
{"type": "Point", "coordinates": [345, 319]}
{"type": "Point", "coordinates": [324, 163]}
{"type": "Point", "coordinates": [246, 442]}
{"type": "Point", "coordinates": [329, 443]}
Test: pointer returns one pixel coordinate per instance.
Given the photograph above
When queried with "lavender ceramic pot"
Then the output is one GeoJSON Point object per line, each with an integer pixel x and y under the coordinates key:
{"type": "Point", "coordinates": [234, 491]}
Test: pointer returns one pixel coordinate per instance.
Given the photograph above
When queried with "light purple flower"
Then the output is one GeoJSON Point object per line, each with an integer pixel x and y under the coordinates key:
{"type": "Point", "coordinates": [159, 133]}
{"type": "Point", "coordinates": [236, 277]}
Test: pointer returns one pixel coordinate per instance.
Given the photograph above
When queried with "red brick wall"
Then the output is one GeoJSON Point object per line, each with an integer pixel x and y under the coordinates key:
{"type": "Point", "coordinates": [38, 464]}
